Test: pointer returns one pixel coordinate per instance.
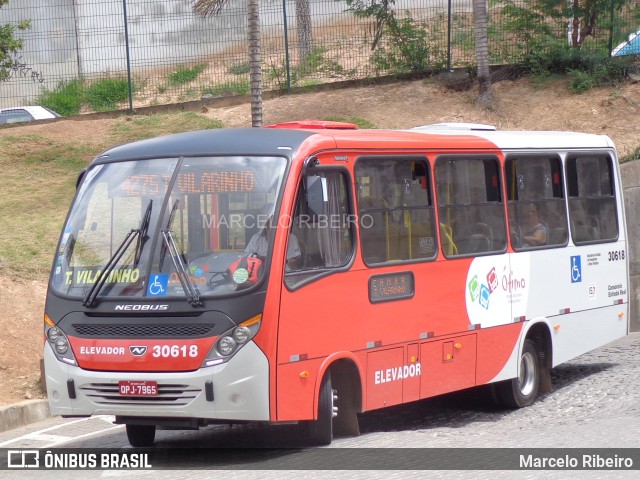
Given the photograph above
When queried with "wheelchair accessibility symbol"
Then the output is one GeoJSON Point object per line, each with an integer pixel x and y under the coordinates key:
{"type": "Point", "coordinates": [157, 285]}
{"type": "Point", "coordinates": [576, 269]}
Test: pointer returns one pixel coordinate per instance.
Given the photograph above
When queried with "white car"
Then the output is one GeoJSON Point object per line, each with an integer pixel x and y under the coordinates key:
{"type": "Point", "coordinates": [25, 114]}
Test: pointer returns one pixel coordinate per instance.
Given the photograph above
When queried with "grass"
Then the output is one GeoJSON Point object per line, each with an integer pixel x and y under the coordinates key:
{"type": "Point", "coordinates": [233, 87]}
{"type": "Point", "coordinates": [105, 94]}
{"type": "Point", "coordinates": [66, 98]}
{"type": "Point", "coordinates": [147, 127]}
{"type": "Point", "coordinates": [185, 75]}
{"type": "Point", "coordinates": [101, 95]}
{"type": "Point", "coordinates": [38, 177]}
{"type": "Point", "coordinates": [38, 182]}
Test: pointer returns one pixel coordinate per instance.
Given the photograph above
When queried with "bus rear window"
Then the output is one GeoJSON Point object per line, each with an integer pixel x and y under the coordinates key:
{"type": "Point", "coordinates": [592, 203]}
{"type": "Point", "coordinates": [537, 213]}
{"type": "Point", "coordinates": [470, 205]}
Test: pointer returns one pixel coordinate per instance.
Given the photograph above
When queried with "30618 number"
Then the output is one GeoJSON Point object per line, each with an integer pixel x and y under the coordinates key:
{"type": "Point", "coordinates": [616, 255]}
{"type": "Point", "coordinates": [175, 351]}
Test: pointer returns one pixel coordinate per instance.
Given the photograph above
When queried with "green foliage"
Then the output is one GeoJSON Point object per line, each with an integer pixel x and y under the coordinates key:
{"type": "Point", "coordinates": [104, 94]}
{"type": "Point", "coordinates": [233, 87]}
{"type": "Point", "coordinates": [380, 11]}
{"type": "Point", "coordinates": [9, 44]}
{"type": "Point", "coordinates": [400, 45]}
{"type": "Point", "coordinates": [531, 22]}
{"type": "Point", "coordinates": [409, 48]}
{"type": "Point", "coordinates": [586, 70]}
{"type": "Point", "coordinates": [242, 68]}
{"type": "Point", "coordinates": [607, 71]}
{"type": "Point", "coordinates": [314, 63]}
{"type": "Point", "coordinates": [185, 75]}
{"type": "Point", "coordinates": [66, 98]}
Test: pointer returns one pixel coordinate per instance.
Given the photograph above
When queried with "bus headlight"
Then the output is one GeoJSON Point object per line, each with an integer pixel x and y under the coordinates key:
{"type": "Point", "coordinates": [226, 346]}
{"type": "Point", "coordinates": [241, 334]}
{"type": "Point", "coordinates": [231, 341]}
{"type": "Point", "coordinates": [58, 341]}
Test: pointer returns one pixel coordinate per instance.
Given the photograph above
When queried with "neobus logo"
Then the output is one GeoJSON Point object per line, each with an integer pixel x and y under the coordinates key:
{"type": "Point", "coordinates": [144, 307]}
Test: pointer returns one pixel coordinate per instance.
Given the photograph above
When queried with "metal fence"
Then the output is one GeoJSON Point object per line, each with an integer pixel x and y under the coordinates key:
{"type": "Point", "coordinates": [172, 55]}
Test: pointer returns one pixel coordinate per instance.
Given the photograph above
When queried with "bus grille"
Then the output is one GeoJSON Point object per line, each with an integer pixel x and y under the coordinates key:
{"type": "Point", "coordinates": [143, 330]}
{"type": "Point", "coordinates": [168, 394]}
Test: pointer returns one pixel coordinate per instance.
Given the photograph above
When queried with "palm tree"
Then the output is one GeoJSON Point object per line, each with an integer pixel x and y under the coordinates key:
{"type": "Point", "coordinates": [207, 8]}
{"type": "Point", "coordinates": [485, 95]}
{"type": "Point", "coordinates": [303, 21]}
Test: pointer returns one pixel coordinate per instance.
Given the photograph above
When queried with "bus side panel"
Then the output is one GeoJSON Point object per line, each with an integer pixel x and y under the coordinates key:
{"type": "Point", "coordinates": [334, 313]}
{"type": "Point", "coordinates": [580, 332]}
{"type": "Point", "coordinates": [449, 365]}
{"type": "Point", "coordinates": [495, 348]}
{"type": "Point", "coordinates": [296, 388]}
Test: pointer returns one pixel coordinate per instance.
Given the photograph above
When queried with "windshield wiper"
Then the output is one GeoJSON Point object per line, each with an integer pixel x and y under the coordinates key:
{"type": "Point", "coordinates": [163, 250]}
{"type": "Point", "coordinates": [190, 290]}
{"type": "Point", "coordinates": [93, 292]}
{"type": "Point", "coordinates": [141, 235]}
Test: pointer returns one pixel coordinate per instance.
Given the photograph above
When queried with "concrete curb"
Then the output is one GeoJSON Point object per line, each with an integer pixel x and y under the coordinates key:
{"type": "Point", "coordinates": [23, 413]}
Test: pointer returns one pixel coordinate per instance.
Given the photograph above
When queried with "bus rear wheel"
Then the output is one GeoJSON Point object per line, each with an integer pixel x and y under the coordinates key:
{"type": "Point", "coordinates": [320, 431]}
{"type": "Point", "coordinates": [522, 391]}
{"type": "Point", "coordinates": [141, 435]}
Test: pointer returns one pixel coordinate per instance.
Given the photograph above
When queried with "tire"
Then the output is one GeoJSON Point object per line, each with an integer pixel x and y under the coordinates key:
{"type": "Point", "coordinates": [141, 435]}
{"type": "Point", "coordinates": [522, 390]}
{"type": "Point", "coordinates": [320, 431]}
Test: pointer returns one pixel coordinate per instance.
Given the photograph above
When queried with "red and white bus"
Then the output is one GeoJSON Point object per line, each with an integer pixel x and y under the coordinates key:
{"type": "Point", "coordinates": [312, 271]}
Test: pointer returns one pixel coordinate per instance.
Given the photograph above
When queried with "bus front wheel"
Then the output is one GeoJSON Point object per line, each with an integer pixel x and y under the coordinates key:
{"type": "Point", "coordinates": [522, 390]}
{"type": "Point", "coordinates": [141, 435]}
{"type": "Point", "coordinates": [320, 431]}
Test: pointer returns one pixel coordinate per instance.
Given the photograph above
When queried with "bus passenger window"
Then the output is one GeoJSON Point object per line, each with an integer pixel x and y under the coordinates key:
{"type": "Point", "coordinates": [320, 243]}
{"type": "Point", "coordinates": [395, 210]}
{"type": "Point", "coordinates": [592, 203]}
{"type": "Point", "coordinates": [537, 214]}
{"type": "Point", "coordinates": [470, 206]}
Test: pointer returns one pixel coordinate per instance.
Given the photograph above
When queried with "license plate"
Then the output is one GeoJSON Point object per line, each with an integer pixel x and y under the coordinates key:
{"type": "Point", "coordinates": [138, 388]}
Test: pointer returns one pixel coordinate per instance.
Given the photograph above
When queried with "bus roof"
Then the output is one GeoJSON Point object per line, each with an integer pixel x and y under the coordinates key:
{"type": "Point", "coordinates": [231, 141]}
{"type": "Point", "coordinates": [284, 139]}
{"type": "Point", "coordinates": [519, 140]}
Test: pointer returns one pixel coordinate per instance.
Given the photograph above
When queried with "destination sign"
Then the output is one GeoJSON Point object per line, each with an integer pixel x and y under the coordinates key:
{"type": "Point", "coordinates": [391, 286]}
{"type": "Point", "coordinates": [189, 182]}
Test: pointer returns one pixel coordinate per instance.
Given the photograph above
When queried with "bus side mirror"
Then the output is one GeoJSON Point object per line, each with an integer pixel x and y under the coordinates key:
{"type": "Point", "coordinates": [316, 190]}
{"type": "Point", "coordinates": [80, 177]}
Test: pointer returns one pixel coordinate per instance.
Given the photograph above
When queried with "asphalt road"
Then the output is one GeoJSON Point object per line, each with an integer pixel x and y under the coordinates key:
{"type": "Point", "coordinates": [595, 403]}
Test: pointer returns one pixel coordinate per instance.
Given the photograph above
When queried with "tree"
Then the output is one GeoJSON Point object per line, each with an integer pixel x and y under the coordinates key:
{"type": "Point", "coordinates": [537, 19]}
{"type": "Point", "coordinates": [303, 24]}
{"type": "Point", "coordinates": [9, 44]}
{"type": "Point", "coordinates": [207, 8]}
{"type": "Point", "coordinates": [485, 95]}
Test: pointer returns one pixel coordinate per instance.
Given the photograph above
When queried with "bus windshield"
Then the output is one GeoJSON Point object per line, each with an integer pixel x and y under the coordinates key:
{"type": "Point", "coordinates": [169, 227]}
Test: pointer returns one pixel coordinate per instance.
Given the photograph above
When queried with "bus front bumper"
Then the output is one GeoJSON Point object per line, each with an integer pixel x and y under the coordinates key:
{"type": "Point", "coordinates": [240, 390]}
